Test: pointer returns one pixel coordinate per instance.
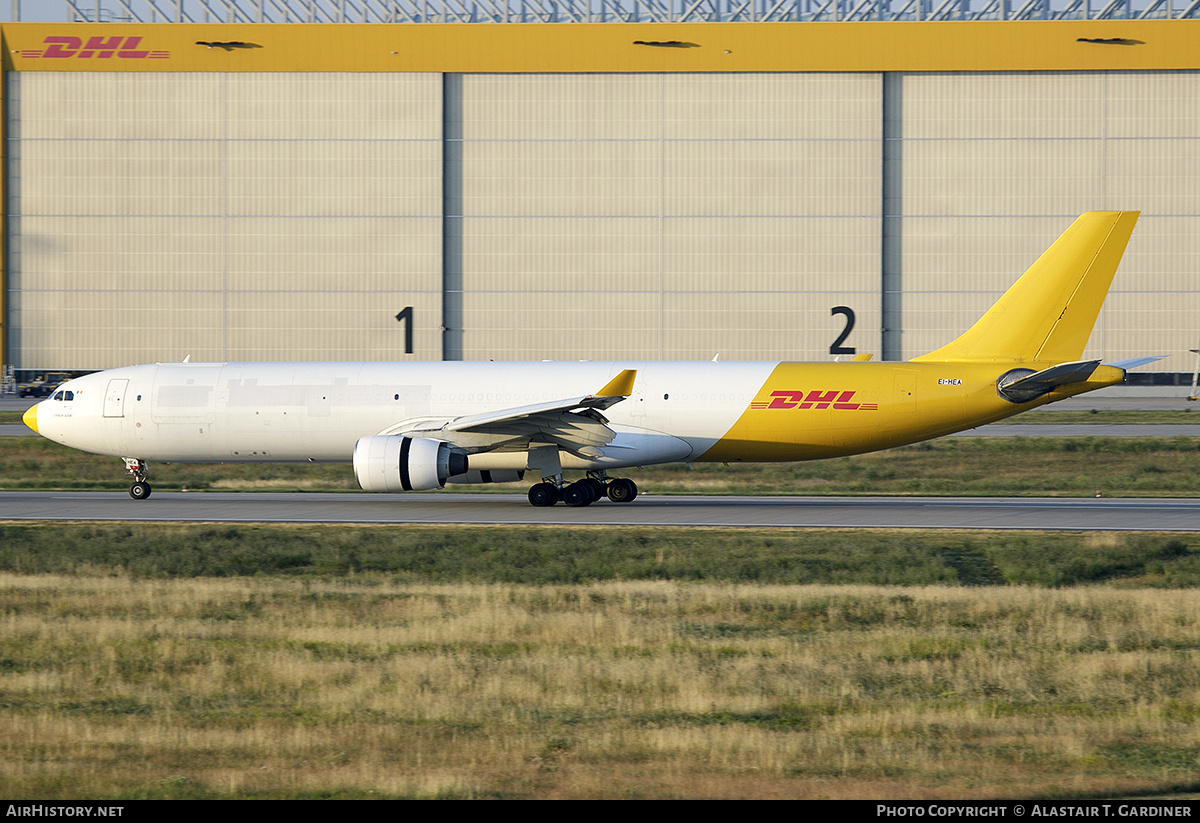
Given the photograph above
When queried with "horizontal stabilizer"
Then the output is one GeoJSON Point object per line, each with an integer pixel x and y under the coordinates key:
{"type": "Point", "coordinates": [1134, 362]}
{"type": "Point", "coordinates": [1021, 388]}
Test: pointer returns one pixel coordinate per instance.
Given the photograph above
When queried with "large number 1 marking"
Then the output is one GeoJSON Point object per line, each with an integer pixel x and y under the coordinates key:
{"type": "Point", "coordinates": [405, 317]}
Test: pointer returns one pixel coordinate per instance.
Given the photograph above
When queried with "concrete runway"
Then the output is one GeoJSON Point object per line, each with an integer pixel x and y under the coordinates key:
{"type": "Point", "coordinates": [1074, 514]}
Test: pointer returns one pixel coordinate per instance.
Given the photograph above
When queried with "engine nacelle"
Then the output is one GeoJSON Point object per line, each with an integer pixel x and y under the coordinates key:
{"type": "Point", "coordinates": [487, 476]}
{"type": "Point", "coordinates": [395, 463]}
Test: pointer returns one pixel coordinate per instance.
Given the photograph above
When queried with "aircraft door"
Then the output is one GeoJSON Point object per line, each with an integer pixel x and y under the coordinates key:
{"type": "Point", "coordinates": [906, 386]}
{"type": "Point", "coordinates": [637, 405]}
{"type": "Point", "coordinates": [114, 398]}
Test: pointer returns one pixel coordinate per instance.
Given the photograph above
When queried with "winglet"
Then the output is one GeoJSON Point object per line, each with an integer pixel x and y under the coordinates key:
{"type": "Point", "coordinates": [619, 386]}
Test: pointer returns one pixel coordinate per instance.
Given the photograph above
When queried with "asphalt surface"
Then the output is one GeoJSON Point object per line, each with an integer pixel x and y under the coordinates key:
{"type": "Point", "coordinates": [1074, 514]}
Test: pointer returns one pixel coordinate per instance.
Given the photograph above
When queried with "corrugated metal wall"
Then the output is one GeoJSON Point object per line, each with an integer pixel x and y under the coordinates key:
{"type": "Point", "coordinates": [996, 165]}
{"type": "Point", "coordinates": [676, 216]}
{"type": "Point", "coordinates": [668, 216]}
{"type": "Point", "coordinates": [238, 216]}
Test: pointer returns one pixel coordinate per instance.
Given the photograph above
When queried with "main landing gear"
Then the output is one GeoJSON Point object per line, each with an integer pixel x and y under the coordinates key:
{"type": "Point", "coordinates": [583, 492]}
{"type": "Point", "coordinates": [136, 467]}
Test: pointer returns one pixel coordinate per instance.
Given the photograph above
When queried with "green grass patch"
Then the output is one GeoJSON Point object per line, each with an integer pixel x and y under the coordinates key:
{"type": "Point", "coordinates": [550, 555]}
{"type": "Point", "coordinates": [957, 466]}
{"type": "Point", "coordinates": [36, 463]}
{"type": "Point", "coordinates": [1141, 417]}
{"type": "Point", "coordinates": [1016, 466]}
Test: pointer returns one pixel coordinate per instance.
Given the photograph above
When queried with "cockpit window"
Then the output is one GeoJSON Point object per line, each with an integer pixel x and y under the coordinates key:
{"type": "Point", "coordinates": [63, 395]}
{"type": "Point", "coordinates": [58, 395]}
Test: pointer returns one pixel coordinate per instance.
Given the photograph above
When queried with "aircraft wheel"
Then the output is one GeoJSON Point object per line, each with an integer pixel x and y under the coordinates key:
{"type": "Point", "coordinates": [578, 494]}
{"type": "Point", "coordinates": [543, 494]}
{"type": "Point", "coordinates": [139, 490]}
{"type": "Point", "coordinates": [596, 486]}
{"type": "Point", "coordinates": [622, 490]}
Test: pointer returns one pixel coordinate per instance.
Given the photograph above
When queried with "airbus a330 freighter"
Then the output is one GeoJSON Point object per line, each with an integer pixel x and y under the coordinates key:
{"type": "Point", "coordinates": [418, 426]}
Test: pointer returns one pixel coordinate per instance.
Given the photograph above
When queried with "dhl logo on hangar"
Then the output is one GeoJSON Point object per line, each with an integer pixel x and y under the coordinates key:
{"type": "Point", "coordinates": [813, 400]}
{"type": "Point", "coordinates": [101, 47]}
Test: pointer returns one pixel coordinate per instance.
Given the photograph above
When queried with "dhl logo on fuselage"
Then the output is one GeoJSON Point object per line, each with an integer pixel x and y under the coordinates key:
{"type": "Point", "coordinates": [813, 400]}
{"type": "Point", "coordinates": [102, 47]}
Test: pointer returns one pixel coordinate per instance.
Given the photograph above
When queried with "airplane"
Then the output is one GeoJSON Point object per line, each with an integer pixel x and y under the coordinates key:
{"type": "Point", "coordinates": [420, 425]}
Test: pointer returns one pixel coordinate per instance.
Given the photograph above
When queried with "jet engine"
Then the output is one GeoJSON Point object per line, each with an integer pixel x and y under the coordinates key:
{"type": "Point", "coordinates": [393, 463]}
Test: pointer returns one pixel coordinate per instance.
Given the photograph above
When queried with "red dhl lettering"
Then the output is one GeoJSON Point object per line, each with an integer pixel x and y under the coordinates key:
{"type": "Point", "coordinates": [816, 399]}
{"type": "Point", "coordinates": [822, 400]}
{"type": "Point", "coordinates": [780, 403]}
{"type": "Point", "coordinates": [102, 47]}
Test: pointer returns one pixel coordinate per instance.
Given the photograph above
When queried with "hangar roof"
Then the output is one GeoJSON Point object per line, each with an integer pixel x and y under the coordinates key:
{"type": "Point", "coordinates": [598, 11]}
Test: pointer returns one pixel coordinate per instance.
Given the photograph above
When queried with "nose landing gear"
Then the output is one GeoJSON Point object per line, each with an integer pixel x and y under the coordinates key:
{"type": "Point", "coordinates": [137, 469]}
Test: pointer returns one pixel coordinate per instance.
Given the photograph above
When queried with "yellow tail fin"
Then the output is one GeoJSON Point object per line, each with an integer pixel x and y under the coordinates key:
{"type": "Point", "coordinates": [1049, 313]}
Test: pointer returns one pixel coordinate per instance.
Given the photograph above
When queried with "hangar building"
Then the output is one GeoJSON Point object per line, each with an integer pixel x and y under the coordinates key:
{"type": "Point", "coordinates": [529, 180]}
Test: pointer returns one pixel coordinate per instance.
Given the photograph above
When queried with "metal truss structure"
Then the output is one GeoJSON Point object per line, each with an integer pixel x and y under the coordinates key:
{"type": "Point", "coordinates": [609, 11]}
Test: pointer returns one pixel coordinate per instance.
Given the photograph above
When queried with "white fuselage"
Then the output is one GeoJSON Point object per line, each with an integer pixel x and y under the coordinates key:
{"type": "Point", "coordinates": [278, 412]}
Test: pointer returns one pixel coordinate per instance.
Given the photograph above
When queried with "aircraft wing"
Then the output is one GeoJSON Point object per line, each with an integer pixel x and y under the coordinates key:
{"type": "Point", "coordinates": [574, 424]}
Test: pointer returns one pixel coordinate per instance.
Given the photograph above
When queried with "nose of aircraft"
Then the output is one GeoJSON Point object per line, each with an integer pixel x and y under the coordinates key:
{"type": "Point", "coordinates": [29, 418]}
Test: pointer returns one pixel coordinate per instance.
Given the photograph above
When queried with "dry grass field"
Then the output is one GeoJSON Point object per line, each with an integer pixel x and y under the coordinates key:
{"type": "Point", "coordinates": [220, 661]}
{"type": "Point", "coordinates": [113, 686]}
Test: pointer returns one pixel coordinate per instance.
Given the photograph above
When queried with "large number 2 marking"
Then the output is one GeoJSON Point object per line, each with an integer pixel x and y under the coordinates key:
{"type": "Point", "coordinates": [837, 347]}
